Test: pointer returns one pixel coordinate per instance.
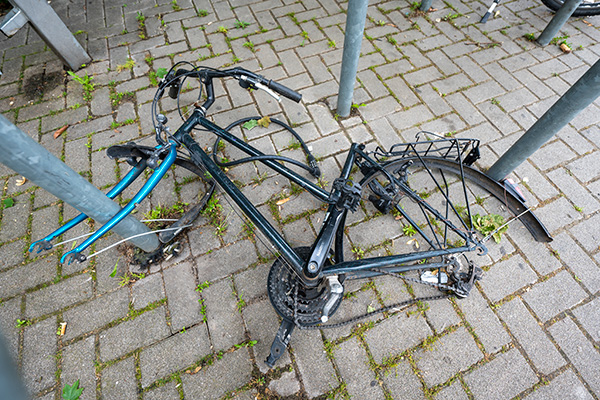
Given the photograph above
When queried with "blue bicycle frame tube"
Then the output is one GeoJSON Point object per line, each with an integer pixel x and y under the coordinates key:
{"type": "Point", "coordinates": [114, 192]}
{"type": "Point", "coordinates": [141, 195]}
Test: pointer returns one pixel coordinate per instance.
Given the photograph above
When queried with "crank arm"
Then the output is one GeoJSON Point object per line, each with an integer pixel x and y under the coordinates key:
{"type": "Point", "coordinates": [280, 343]}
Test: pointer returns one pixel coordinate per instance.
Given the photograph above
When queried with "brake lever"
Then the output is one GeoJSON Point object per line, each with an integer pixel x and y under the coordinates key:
{"type": "Point", "coordinates": [255, 84]}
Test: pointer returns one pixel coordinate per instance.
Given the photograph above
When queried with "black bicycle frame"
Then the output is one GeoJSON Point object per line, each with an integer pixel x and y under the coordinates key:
{"type": "Point", "coordinates": [309, 271]}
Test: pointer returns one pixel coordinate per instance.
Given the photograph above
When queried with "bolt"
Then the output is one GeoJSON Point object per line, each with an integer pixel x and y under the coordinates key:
{"type": "Point", "coordinates": [312, 266]}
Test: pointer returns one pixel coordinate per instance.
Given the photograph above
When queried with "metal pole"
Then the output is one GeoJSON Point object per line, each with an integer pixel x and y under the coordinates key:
{"type": "Point", "coordinates": [557, 22]}
{"type": "Point", "coordinates": [10, 383]}
{"type": "Point", "coordinates": [28, 158]}
{"type": "Point", "coordinates": [425, 5]}
{"type": "Point", "coordinates": [53, 31]}
{"type": "Point", "coordinates": [577, 98]}
{"type": "Point", "coordinates": [355, 26]}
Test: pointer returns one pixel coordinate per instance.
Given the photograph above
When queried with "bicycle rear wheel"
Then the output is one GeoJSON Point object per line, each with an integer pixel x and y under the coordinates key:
{"type": "Point", "coordinates": [584, 9]}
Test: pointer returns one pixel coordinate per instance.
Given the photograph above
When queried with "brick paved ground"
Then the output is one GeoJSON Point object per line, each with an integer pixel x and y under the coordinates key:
{"type": "Point", "coordinates": [530, 329]}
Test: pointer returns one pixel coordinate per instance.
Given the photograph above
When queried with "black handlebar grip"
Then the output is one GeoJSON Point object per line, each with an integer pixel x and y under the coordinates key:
{"type": "Point", "coordinates": [284, 91]}
{"type": "Point", "coordinates": [174, 89]}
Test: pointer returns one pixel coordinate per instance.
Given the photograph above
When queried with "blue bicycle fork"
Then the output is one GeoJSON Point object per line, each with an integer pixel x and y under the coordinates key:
{"type": "Point", "coordinates": [150, 184]}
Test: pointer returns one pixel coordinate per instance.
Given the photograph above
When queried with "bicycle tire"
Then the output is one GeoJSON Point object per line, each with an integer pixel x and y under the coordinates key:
{"type": "Point", "coordinates": [586, 8]}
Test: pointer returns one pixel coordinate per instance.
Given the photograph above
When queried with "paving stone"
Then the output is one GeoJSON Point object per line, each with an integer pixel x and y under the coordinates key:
{"type": "Point", "coordinates": [12, 254]}
{"type": "Point", "coordinates": [14, 219]}
{"type": "Point", "coordinates": [396, 334]}
{"type": "Point", "coordinates": [262, 324]}
{"type": "Point", "coordinates": [554, 296]}
{"type": "Point", "coordinates": [252, 283]}
{"type": "Point", "coordinates": [180, 286]}
{"type": "Point", "coordinates": [147, 290]}
{"type": "Point", "coordinates": [578, 261]}
{"type": "Point", "coordinates": [403, 383]}
{"type": "Point", "coordinates": [350, 308]}
{"type": "Point", "coordinates": [58, 296]}
{"type": "Point", "coordinates": [78, 364]}
{"type": "Point", "coordinates": [166, 392]}
{"type": "Point", "coordinates": [538, 254]}
{"type": "Point", "coordinates": [588, 316]}
{"type": "Point", "coordinates": [353, 365]}
{"type": "Point", "coordinates": [579, 351]}
{"type": "Point", "coordinates": [585, 168]}
{"type": "Point", "coordinates": [441, 315]}
{"type": "Point", "coordinates": [118, 381]}
{"type": "Point", "coordinates": [536, 183]}
{"type": "Point", "coordinates": [173, 354]}
{"type": "Point", "coordinates": [446, 356]}
{"type": "Point", "coordinates": [484, 322]}
{"type": "Point", "coordinates": [530, 336]}
{"type": "Point", "coordinates": [286, 385]}
{"type": "Point", "coordinates": [314, 367]}
{"type": "Point", "coordinates": [38, 365]}
{"type": "Point", "coordinates": [44, 222]}
{"type": "Point", "coordinates": [223, 316]}
{"type": "Point", "coordinates": [406, 119]}
{"type": "Point", "coordinates": [223, 376]}
{"type": "Point", "coordinates": [588, 233]}
{"type": "Point", "coordinates": [507, 277]}
{"type": "Point", "coordinates": [452, 392]}
{"type": "Point", "coordinates": [225, 261]}
{"type": "Point", "coordinates": [491, 381]}
{"type": "Point", "coordinates": [145, 329]}
{"type": "Point", "coordinates": [564, 386]}
{"type": "Point", "coordinates": [10, 311]}
{"type": "Point", "coordinates": [96, 313]}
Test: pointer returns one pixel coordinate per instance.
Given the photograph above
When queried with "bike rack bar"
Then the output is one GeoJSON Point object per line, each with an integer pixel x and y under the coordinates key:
{"type": "Point", "coordinates": [557, 22]}
{"type": "Point", "coordinates": [575, 100]}
{"type": "Point", "coordinates": [51, 29]}
{"type": "Point", "coordinates": [355, 26]}
{"type": "Point", "coordinates": [425, 5]}
{"type": "Point", "coordinates": [28, 158]}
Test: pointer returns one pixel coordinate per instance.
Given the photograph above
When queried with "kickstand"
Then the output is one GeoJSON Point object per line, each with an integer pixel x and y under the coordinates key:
{"type": "Point", "coordinates": [280, 343]}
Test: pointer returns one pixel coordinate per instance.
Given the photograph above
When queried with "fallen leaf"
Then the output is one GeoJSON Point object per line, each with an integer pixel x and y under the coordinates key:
{"type": "Point", "coordinates": [370, 308]}
{"type": "Point", "coordinates": [116, 131]}
{"type": "Point", "coordinates": [250, 124]}
{"type": "Point", "coordinates": [21, 181]}
{"type": "Point", "coordinates": [60, 131]}
{"type": "Point", "coordinates": [264, 122]}
{"type": "Point", "coordinates": [283, 201]}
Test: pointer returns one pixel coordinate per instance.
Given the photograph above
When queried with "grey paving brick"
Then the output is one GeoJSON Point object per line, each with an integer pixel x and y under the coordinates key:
{"type": "Point", "coordinates": [253, 282]}
{"type": "Point", "coordinates": [262, 324]}
{"type": "Point", "coordinates": [223, 316]}
{"type": "Point", "coordinates": [145, 329]}
{"type": "Point", "coordinates": [538, 254]}
{"type": "Point", "coordinates": [12, 253]}
{"type": "Point", "coordinates": [71, 117]}
{"type": "Point", "coordinates": [78, 364]}
{"type": "Point", "coordinates": [434, 100]}
{"type": "Point", "coordinates": [530, 336]}
{"type": "Point", "coordinates": [452, 392]}
{"type": "Point", "coordinates": [396, 334]}
{"type": "Point", "coordinates": [286, 385]}
{"type": "Point", "coordinates": [492, 382]}
{"type": "Point", "coordinates": [352, 362]}
{"type": "Point", "coordinates": [317, 92]}
{"type": "Point", "coordinates": [579, 351]}
{"type": "Point", "coordinates": [379, 108]}
{"type": "Point", "coordinates": [578, 261]}
{"type": "Point", "coordinates": [559, 213]}
{"type": "Point", "coordinates": [225, 261]}
{"type": "Point", "coordinates": [411, 117]}
{"type": "Point", "coordinates": [118, 380]}
{"type": "Point", "coordinates": [323, 119]}
{"type": "Point", "coordinates": [10, 311]}
{"type": "Point", "coordinates": [448, 355]}
{"type": "Point", "coordinates": [38, 365]}
{"type": "Point", "coordinates": [507, 277]}
{"type": "Point", "coordinates": [484, 322]}
{"type": "Point", "coordinates": [173, 354]}
{"type": "Point", "coordinates": [180, 286]}
{"type": "Point", "coordinates": [588, 316]}
{"type": "Point", "coordinates": [14, 219]}
{"type": "Point", "coordinates": [553, 296]}
{"type": "Point", "coordinates": [402, 92]}
{"type": "Point", "coordinates": [96, 313]}
{"type": "Point", "coordinates": [147, 290]}
{"type": "Point", "coordinates": [44, 222]}
{"type": "Point", "coordinates": [588, 232]}
{"type": "Point", "coordinates": [564, 386]}
{"type": "Point", "coordinates": [484, 91]}
{"type": "Point", "coordinates": [314, 367]}
{"type": "Point", "coordinates": [225, 375]}
{"type": "Point", "coordinates": [166, 392]}
{"type": "Point", "coordinates": [58, 296]}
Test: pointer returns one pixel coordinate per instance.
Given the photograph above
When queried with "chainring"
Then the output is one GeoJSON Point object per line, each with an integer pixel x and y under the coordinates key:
{"type": "Point", "coordinates": [307, 308]}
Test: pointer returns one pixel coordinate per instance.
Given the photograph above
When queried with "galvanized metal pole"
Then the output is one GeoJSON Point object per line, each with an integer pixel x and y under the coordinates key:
{"type": "Point", "coordinates": [28, 158]}
{"type": "Point", "coordinates": [53, 31]}
{"type": "Point", "coordinates": [577, 98]}
{"type": "Point", "coordinates": [562, 15]}
{"type": "Point", "coordinates": [11, 385]}
{"type": "Point", "coordinates": [355, 26]}
{"type": "Point", "coordinates": [425, 5]}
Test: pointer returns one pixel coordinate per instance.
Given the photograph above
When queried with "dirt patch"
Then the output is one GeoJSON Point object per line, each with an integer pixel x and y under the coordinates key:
{"type": "Point", "coordinates": [36, 85]}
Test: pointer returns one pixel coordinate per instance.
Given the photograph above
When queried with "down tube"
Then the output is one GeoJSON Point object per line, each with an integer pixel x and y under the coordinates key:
{"type": "Point", "coordinates": [198, 155]}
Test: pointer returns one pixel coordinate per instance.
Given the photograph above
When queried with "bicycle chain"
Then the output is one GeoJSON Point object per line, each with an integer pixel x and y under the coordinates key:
{"type": "Point", "coordinates": [379, 311]}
